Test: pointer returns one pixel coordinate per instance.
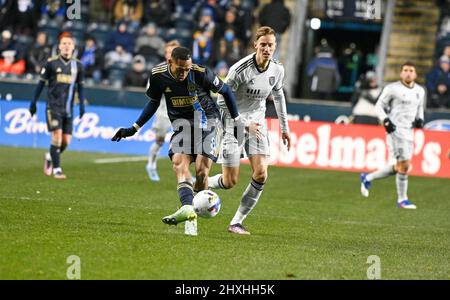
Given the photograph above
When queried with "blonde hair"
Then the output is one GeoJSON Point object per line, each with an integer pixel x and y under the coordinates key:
{"type": "Point", "coordinates": [262, 31]}
{"type": "Point", "coordinates": [173, 43]}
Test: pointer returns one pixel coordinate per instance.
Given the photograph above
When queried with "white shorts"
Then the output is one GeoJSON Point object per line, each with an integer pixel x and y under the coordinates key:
{"type": "Point", "coordinates": [232, 151]}
{"type": "Point", "coordinates": [399, 149]}
{"type": "Point", "coordinates": [161, 125]}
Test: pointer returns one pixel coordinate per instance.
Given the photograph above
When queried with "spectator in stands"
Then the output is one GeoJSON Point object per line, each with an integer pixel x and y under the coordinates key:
{"type": "Point", "coordinates": [245, 18]}
{"type": "Point", "coordinates": [149, 44]}
{"type": "Point", "coordinates": [446, 51]}
{"type": "Point", "coordinates": [230, 48]}
{"type": "Point", "coordinates": [137, 75]}
{"type": "Point", "coordinates": [277, 16]}
{"type": "Point", "coordinates": [158, 12]}
{"type": "Point", "coordinates": [364, 99]}
{"type": "Point", "coordinates": [206, 23]}
{"type": "Point", "coordinates": [103, 10]}
{"type": "Point", "coordinates": [121, 37]}
{"type": "Point", "coordinates": [6, 17]}
{"type": "Point", "coordinates": [202, 48]}
{"type": "Point", "coordinates": [9, 65]}
{"type": "Point", "coordinates": [38, 53]}
{"type": "Point", "coordinates": [323, 73]}
{"type": "Point", "coordinates": [6, 41]}
{"type": "Point", "coordinates": [25, 18]}
{"type": "Point", "coordinates": [210, 7]}
{"type": "Point", "coordinates": [117, 57]}
{"type": "Point", "coordinates": [222, 69]}
{"type": "Point", "coordinates": [231, 22]}
{"type": "Point", "coordinates": [130, 11]}
{"type": "Point", "coordinates": [54, 9]}
{"type": "Point", "coordinates": [438, 84]}
{"type": "Point", "coordinates": [92, 60]}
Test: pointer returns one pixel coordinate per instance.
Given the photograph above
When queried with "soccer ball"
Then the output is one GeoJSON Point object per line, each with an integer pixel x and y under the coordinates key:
{"type": "Point", "coordinates": [207, 204]}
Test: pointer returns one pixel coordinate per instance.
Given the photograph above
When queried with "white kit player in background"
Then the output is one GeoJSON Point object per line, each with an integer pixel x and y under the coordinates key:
{"type": "Point", "coordinates": [161, 125]}
{"type": "Point", "coordinates": [252, 79]}
{"type": "Point", "coordinates": [401, 108]}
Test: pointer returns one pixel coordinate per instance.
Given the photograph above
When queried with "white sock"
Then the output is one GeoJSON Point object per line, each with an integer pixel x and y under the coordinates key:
{"type": "Point", "coordinates": [401, 181]}
{"type": "Point", "coordinates": [249, 199]}
{"type": "Point", "coordinates": [216, 182]}
{"type": "Point", "coordinates": [57, 170]}
{"type": "Point", "coordinates": [381, 173]}
{"type": "Point", "coordinates": [153, 154]}
{"type": "Point", "coordinates": [48, 156]}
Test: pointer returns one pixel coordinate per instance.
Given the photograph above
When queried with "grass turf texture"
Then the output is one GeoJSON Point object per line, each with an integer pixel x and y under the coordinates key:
{"type": "Point", "coordinates": [309, 224]}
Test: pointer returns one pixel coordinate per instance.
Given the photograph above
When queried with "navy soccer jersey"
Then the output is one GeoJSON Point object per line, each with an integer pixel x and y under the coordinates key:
{"type": "Point", "coordinates": [184, 98]}
{"type": "Point", "coordinates": [62, 77]}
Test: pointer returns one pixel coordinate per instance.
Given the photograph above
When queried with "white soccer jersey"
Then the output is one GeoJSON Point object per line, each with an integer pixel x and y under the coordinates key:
{"type": "Point", "coordinates": [252, 87]}
{"type": "Point", "coordinates": [402, 105]}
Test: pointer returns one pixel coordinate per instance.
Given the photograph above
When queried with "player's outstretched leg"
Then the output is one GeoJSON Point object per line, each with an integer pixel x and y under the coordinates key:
{"type": "Point", "coordinates": [366, 179]}
{"type": "Point", "coordinates": [185, 213]}
{"type": "Point", "coordinates": [152, 160]}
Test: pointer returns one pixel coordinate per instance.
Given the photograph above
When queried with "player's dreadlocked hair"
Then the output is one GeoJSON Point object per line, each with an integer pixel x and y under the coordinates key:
{"type": "Point", "coordinates": [262, 31]}
{"type": "Point", "coordinates": [181, 53]}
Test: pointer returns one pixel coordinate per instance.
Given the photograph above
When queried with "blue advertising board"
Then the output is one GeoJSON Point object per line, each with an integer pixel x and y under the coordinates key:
{"type": "Point", "coordinates": [91, 133]}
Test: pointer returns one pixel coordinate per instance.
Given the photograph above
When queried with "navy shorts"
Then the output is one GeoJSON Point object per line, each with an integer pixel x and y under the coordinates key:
{"type": "Point", "coordinates": [57, 121]}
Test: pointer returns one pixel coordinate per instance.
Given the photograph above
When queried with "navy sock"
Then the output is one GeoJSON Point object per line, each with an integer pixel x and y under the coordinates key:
{"type": "Point", "coordinates": [62, 148]}
{"type": "Point", "coordinates": [55, 153]}
{"type": "Point", "coordinates": [185, 192]}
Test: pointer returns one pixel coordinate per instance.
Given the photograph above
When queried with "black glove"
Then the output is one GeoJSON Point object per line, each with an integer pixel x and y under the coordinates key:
{"type": "Point", "coordinates": [418, 123]}
{"type": "Point", "coordinates": [123, 133]}
{"type": "Point", "coordinates": [32, 108]}
{"type": "Point", "coordinates": [389, 126]}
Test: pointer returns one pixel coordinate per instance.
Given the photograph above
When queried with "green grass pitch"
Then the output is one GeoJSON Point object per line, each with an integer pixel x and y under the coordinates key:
{"type": "Point", "coordinates": [309, 224]}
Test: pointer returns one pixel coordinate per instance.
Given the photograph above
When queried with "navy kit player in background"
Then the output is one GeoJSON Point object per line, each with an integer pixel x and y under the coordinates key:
{"type": "Point", "coordinates": [401, 108]}
{"type": "Point", "coordinates": [64, 75]}
{"type": "Point", "coordinates": [195, 119]}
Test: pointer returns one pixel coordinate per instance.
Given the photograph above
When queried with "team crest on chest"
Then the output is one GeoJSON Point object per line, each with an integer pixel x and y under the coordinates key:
{"type": "Point", "coordinates": [272, 80]}
{"type": "Point", "coordinates": [58, 70]}
{"type": "Point", "coordinates": [191, 87]}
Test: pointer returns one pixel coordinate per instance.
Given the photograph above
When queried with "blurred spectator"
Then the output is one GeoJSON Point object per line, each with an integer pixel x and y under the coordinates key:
{"type": "Point", "coordinates": [277, 16]}
{"type": "Point", "coordinates": [211, 8]}
{"type": "Point", "coordinates": [230, 48]}
{"type": "Point", "coordinates": [222, 69]}
{"type": "Point", "coordinates": [323, 73]}
{"type": "Point", "coordinates": [130, 11]}
{"type": "Point", "coordinates": [137, 75]}
{"type": "Point", "coordinates": [117, 57]}
{"type": "Point", "coordinates": [6, 41]}
{"type": "Point", "coordinates": [364, 99]}
{"type": "Point", "coordinates": [202, 48]}
{"type": "Point", "coordinates": [349, 65]}
{"type": "Point", "coordinates": [54, 9]}
{"type": "Point", "coordinates": [206, 23]}
{"type": "Point", "coordinates": [158, 12]}
{"type": "Point", "coordinates": [438, 84]}
{"type": "Point", "coordinates": [6, 17]}
{"type": "Point", "coordinates": [103, 10]}
{"type": "Point", "coordinates": [121, 37]}
{"type": "Point", "coordinates": [92, 60]}
{"type": "Point", "coordinates": [38, 53]}
{"type": "Point", "coordinates": [9, 65]}
{"type": "Point", "coordinates": [25, 18]}
{"type": "Point", "coordinates": [149, 44]}
{"type": "Point", "coordinates": [231, 22]}
{"type": "Point", "coordinates": [446, 51]}
{"type": "Point", "coordinates": [244, 17]}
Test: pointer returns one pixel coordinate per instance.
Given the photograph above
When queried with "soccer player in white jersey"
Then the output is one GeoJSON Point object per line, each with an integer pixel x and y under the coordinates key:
{"type": "Point", "coordinates": [401, 108]}
{"type": "Point", "coordinates": [161, 125]}
{"type": "Point", "coordinates": [252, 79]}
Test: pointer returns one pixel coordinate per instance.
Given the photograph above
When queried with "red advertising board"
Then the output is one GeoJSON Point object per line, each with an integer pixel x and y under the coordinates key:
{"type": "Point", "coordinates": [357, 148]}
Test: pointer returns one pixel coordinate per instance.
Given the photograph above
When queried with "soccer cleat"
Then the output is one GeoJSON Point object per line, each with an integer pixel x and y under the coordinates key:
{"type": "Point", "coordinates": [59, 175]}
{"type": "Point", "coordinates": [185, 213]}
{"type": "Point", "coordinates": [238, 229]}
{"type": "Point", "coordinates": [365, 185]}
{"type": "Point", "coordinates": [48, 167]}
{"type": "Point", "coordinates": [152, 173]}
{"type": "Point", "coordinates": [190, 227]}
{"type": "Point", "coordinates": [406, 204]}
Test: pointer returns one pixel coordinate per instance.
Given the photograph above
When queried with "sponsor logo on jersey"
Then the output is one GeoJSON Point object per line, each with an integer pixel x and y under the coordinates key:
{"type": "Point", "coordinates": [64, 78]}
{"type": "Point", "coordinates": [216, 81]}
{"type": "Point", "coordinates": [182, 101]}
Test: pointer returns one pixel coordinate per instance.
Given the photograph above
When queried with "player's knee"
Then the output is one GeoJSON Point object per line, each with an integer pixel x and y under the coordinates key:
{"type": "Point", "coordinates": [230, 181]}
{"type": "Point", "coordinates": [260, 176]}
{"type": "Point", "coordinates": [403, 167]}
